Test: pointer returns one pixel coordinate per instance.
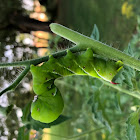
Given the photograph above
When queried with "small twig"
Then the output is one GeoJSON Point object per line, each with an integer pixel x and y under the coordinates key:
{"type": "Point", "coordinates": [86, 132]}
{"type": "Point", "coordinates": [77, 136]}
{"type": "Point", "coordinates": [16, 82]}
{"type": "Point", "coordinates": [105, 83]}
{"type": "Point", "coordinates": [121, 89]}
{"type": "Point", "coordinates": [40, 60]}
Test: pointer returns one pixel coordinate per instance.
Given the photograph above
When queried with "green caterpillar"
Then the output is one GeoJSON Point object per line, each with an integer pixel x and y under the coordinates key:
{"type": "Point", "coordinates": [48, 104]}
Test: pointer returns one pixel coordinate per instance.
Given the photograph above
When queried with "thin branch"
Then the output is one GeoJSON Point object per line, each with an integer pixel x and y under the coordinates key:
{"type": "Point", "coordinates": [105, 83]}
{"type": "Point", "coordinates": [121, 89]}
{"type": "Point", "coordinates": [86, 132]}
{"type": "Point", "coordinates": [97, 47]}
{"type": "Point", "coordinates": [40, 60]}
{"type": "Point", "coordinates": [16, 82]}
{"type": "Point", "coordinates": [76, 136]}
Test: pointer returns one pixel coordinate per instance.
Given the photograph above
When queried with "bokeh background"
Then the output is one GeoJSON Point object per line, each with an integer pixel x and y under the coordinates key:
{"type": "Point", "coordinates": [25, 34]}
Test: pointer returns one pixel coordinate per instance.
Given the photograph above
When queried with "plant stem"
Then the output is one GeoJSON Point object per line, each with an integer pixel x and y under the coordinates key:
{"type": "Point", "coordinates": [57, 82]}
{"type": "Point", "coordinates": [86, 133]}
{"type": "Point", "coordinates": [40, 60]}
{"type": "Point", "coordinates": [121, 89]}
{"type": "Point", "coordinates": [77, 136]}
{"type": "Point", "coordinates": [17, 81]}
{"type": "Point", "coordinates": [99, 48]}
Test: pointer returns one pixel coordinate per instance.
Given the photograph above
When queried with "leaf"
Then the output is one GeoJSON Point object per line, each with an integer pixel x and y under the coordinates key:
{"type": "Point", "coordinates": [117, 102]}
{"type": "Point", "coordinates": [125, 76]}
{"type": "Point", "coordinates": [59, 120]}
{"type": "Point", "coordinates": [129, 50]}
{"type": "Point", "coordinates": [131, 134]}
{"type": "Point", "coordinates": [36, 125]}
{"type": "Point", "coordinates": [128, 74]}
{"type": "Point", "coordinates": [23, 133]}
{"type": "Point", "coordinates": [26, 112]}
{"type": "Point", "coordinates": [98, 109]}
{"type": "Point", "coordinates": [95, 33]}
{"type": "Point", "coordinates": [133, 128]}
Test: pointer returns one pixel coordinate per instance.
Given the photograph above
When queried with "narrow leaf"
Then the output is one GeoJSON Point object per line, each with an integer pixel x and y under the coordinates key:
{"type": "Point", "coordinates": [26, 112]}
{"type": "Point", "coordinates": [23, 134]}
{"type": "Point", "coordinates": [95, 33]}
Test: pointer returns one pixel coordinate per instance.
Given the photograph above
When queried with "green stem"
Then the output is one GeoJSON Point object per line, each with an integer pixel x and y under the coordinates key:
{"type": "Point", "coordinates": [97, 47]}
{"type": "Point", "coordinates": [121, 89]}
{"type": "Point", "coordinates": [40, 60]}
{"type": "Point", "coordinates": [60, 82]}
{"type": "Point", "coordinates": [77, 136]}
{"type": "Point", "coordinates": [17, 81]}
{"type": "Point", "coordinates": [86, 133]}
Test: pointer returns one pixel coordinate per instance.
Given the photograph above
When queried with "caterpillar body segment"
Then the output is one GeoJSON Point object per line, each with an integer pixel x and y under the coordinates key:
{"type": "Point", "coordinates": [49, 104]}
{"type": "Point", "coordinates": [47, 107]}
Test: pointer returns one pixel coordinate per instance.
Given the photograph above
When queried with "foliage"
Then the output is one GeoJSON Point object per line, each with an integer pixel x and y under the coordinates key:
{"type": "Point", "coordinates": [133, 129]}
{"type": "Point", "coordinates": [103, 110]}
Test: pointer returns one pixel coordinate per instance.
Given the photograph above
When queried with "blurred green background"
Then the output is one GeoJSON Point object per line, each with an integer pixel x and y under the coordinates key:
{"type": "Point", "coordinates": [80, 15]}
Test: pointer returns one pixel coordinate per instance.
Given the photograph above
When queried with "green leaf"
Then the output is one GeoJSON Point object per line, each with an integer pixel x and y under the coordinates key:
{"type": "Point", "coordinates": [129, 50]}
{"type": "Point", "coordinates": [125, 76]}
{"type": "Point", "coordinates": [128, 74]}
{"type": "Point", "coordinates": [23, 133]}
{"type": "Point", "coordinates": [117, 102]}
{"type": "Point", "coordinates": [98, 109]}
{"type": "Point", "coordinates": [26, 112]}
{"type": "Point", "coordinates": [95, 33]}
{"type": "Point", "coordinates": [59, 120]}
{"type": "Point", "coordinates": [36, 125]}
{"type": "Point", "coordinates": [133, 126]}
{"type": "Point", "coordinates": [131, 134]}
